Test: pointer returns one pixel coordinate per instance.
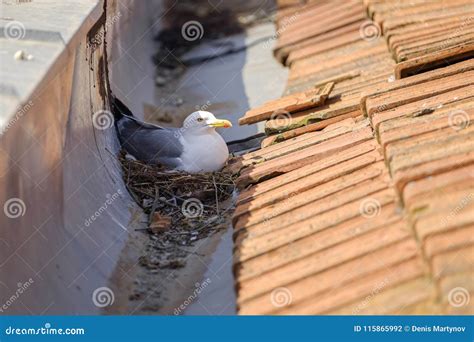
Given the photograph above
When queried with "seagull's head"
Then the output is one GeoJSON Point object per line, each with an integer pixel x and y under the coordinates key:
{"type": "Point", "coordinates": [202, 119]}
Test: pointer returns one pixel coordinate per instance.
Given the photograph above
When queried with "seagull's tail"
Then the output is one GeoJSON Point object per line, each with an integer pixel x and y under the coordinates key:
{"type": "Point", "coordinates": [119, 109]}
{"type": "Point", "coordinates": [125, 121]}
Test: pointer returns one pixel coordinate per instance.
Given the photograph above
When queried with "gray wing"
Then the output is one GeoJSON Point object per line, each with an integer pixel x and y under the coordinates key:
{"type": "Point", "coordinates": [150, 143]}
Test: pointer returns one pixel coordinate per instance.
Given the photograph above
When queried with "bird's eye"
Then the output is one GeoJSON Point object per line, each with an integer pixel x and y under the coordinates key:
{"type": "Point", "coordinates": [200, 119]}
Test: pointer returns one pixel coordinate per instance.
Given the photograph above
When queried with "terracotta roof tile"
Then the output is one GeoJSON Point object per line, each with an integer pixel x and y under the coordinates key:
{"type": "Point", "coordinates": [293, 195]}
{"type": "Point", "coordinates": [397, 22]}
{"type": "Point", "coordinates": [311, 27]}
{"type": "Point", "coordinates": [398, 300]}
{"type": "Point", "coordinates": [402, 96]}
{"type": "Point", "coordinates": [301, 157]}
{"type": "Point", "coordinates": [339, 275]}
{"type": "Point", "coordinates": [382, 89]}
{"type": "Point", "coordinates": [358, 291]}
{"type": "Point", "coordinates": [283, 52]}
{"type": "Point", "coordinates": [341, 40]}
{"type": "Point", "coordinates": [323, 260]}
{"type": "Point", "coordinates": [449, 241]}
{"type": "Point", "coordinates": [428, 187]}
{"type": "Point", "coordinates": [288, 104]}
{"type": "Point", "coordinates": [311, 170]}
{"type": "Point", "coordinates": [343, 119]}
{"type": "Point", "coordinates": [453, 262]}
{"type": "Point", "coordinates": [455, 285]}
{"type": "Point", "coordinates": [368, 52]}
{"type": "Point", "coordinates": [259, 244]}
{"type": "Point", "coordinates": [415, 32]}
{"type": "Point", "coordinates": [329, 237]}
{"type": "Point", "coordinates": [400, 134]}
{"type": "Point", "coordinates": [333, 108]}
{"type": "Point", "coordinates": [402, 177]}
{"type": "Point", "coordinates": [364, 216]}
{"type": "Point", "coordinates": [431, 61]}
{"type": "Point", "coordinates": [448, 220]}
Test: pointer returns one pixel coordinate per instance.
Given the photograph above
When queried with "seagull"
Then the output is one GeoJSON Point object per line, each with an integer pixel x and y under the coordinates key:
{"type": "Point", "coordinates": [195, 147]}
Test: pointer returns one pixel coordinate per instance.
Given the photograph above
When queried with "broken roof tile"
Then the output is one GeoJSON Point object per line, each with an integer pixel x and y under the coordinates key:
{"type": "Point", "coordinates": [289, 104]}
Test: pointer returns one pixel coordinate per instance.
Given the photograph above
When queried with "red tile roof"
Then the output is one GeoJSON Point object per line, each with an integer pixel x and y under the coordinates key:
{"type": "Point", "coordinates": [363, 204]}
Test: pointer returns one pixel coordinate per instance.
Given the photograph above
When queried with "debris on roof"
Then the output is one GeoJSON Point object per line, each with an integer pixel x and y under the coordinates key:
{"type": "Point", "coordinates": [363, 204]}
{"type": "Point", "coordinates": [289, 104]}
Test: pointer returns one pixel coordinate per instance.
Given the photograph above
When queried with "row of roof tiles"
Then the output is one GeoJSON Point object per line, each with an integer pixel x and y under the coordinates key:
{"type": "Point", "coordinates": [361, 203]}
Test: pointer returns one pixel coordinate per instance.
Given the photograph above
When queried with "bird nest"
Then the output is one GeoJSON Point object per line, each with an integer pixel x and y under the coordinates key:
{"type": "Point", "coordinates": [182, 207]}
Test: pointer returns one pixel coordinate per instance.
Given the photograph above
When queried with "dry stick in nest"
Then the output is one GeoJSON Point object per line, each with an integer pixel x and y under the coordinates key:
{"type": "Point", "coordinates": [173, 186]}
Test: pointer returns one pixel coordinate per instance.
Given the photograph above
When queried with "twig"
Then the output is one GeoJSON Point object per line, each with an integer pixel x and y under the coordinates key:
{"type": "Point", "coordinates": [216, 193]}
{"type": "Point", "coordinates": [154, 206]}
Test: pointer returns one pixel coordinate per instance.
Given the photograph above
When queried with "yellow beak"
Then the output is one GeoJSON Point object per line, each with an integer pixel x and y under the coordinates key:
{"type": "Point", "coordinates": [221, 123]}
